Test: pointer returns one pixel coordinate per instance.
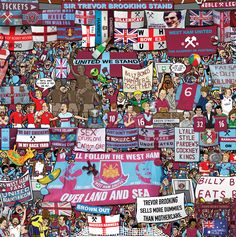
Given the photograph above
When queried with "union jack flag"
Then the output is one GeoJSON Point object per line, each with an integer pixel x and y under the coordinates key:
{"type": "Point", "coordinates": [62, 68]}
{"type": "Point", "coordinates": [208, 224]}
{"type": "Point", "coordinates": [125, 36]}
{"type": "Point", "coordinates": [58, 208]}
{"type": "Point", "coordinates": [200, 18]}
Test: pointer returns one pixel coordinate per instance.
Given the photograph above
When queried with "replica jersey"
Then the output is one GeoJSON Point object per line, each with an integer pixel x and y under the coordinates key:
{"type": "Point", "coordinates": [220, 123]}
{"type": "Point", "coordinates": [187, 95]}
{"type": "Point", "coordinates": [65, 119]}
{"type": "Point", "coordinates": [199, 124]}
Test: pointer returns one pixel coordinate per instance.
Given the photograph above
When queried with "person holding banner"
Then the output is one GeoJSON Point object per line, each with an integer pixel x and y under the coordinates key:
{"type": "Point", "coordinates": [192, 230]}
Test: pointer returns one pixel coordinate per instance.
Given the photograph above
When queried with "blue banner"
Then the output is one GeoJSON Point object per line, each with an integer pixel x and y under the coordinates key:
{"type": "Point", "coordinates": [93, 209]}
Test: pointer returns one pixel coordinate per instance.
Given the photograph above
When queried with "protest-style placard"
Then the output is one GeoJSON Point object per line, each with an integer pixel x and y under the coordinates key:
{"type": "Point", "coordinates": [216, 188]}
{"type": "Point", "coordinates": [137, 80]}
{"type": "Point", "coordinates": [92, 140]}
{"type": "Point", "coordinates": [160, 209]}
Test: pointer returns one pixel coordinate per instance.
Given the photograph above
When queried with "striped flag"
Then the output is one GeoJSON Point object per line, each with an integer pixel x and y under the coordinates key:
{"type": "Point", "coordinates": [44, 33]}
{"type": "Point", "coordinates": [17, 38]}
{"type": "Point", "coordinates": [104, 225]}
{"type": "Point", "coordinates": [125, 36]}
{"type": "Point", "coordinates": [85, 17]}
{"type": "Point", "coordinates": [7, 138]}
{"type": "Point", "coordinates": [129, 19]}
{"type": "Point", "coordinates": [88, 36]}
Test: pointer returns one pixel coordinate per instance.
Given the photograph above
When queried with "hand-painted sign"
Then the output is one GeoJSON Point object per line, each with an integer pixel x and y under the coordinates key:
{"type": "Point", "coordinates": [184, 42]}
{"type": "Point", "coordinates": [186, 145]}
{"type": "Point", "coordinates": [93, 209]}
{"type": "Point", "coordinates": [212, 188]}
{"type": "Point", "coordinates": [106, 178]}
{"type": "Point", "coordinates": [223, 74]}
{"type": "Point", "coordinates": [160, 209]}
{"type": "Point", "coordinates": [137, 80]}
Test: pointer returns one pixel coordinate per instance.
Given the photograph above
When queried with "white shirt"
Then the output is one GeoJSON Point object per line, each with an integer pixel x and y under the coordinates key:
{"type": "Point", "coordinates": [15, 230]}
{"type": "Point", "coordinates": [227, 105]}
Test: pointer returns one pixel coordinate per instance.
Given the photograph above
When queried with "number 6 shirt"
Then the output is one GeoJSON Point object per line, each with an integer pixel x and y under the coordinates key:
{"type": "Point", "coordinates": [187, 95]}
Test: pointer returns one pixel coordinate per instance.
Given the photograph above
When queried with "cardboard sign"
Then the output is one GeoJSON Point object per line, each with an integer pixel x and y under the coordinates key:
{"type": "Point", "coordinates": [223, 74]}
{"type": "Point", "coordinates": [121, 178]}
{"type": "Point", "coordinates": [184, 42]}
{"type": "Point", "coordinates": [137, 80]}
{"type": "Point", "coordinates": [186, 145]}
{"type": "Point", "coordinates": [160, 209]}
{"type": "Point", "coordinates": [90, 140]}
{"type": "Point", "coordinates": [16, 190]}
{"type": "Point", "coordinates": [212, 188]}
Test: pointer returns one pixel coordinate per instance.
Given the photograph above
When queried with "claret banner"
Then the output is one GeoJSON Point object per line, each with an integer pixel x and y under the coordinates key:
{"type": "Point", "coordinates": [106, 178]}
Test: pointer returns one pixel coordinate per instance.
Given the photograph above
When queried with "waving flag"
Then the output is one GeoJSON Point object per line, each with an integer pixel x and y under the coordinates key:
{"type": "Point", "coordinates": [88, 36]}
{"type": "Point", "coordinates": [125, 19]}
{"type": "Point", "coordinates": [216, 227]}
{"type": "Point", "coordinates": [58, 208]}
{"type": "Point", "coordinates": [125, 36]}
{"type": "Point", "coordinates": [62, 68]}
{"type": "Point", "coordinates": [104, 225]}
{"type": "Point", "coordinates": [44, 33]}
{"type": "Point", "coordinates": [85, 17]}
{"type": "Point", "coordinates": [200, 18]}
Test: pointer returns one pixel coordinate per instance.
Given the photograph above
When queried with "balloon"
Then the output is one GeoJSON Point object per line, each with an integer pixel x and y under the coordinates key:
{"type": "Point", "coordinates": [194, 59]}
{"type": "Point", "coordinates": [44, 191]}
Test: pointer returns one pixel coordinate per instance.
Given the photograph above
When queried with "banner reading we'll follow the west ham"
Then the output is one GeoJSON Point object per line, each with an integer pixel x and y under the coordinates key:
{"type": "Point", "coordinates": [106, 178]}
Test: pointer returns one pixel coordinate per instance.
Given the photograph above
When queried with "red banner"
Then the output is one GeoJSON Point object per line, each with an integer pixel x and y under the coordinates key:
{"type": "Point", "coordinates": [184, 42]}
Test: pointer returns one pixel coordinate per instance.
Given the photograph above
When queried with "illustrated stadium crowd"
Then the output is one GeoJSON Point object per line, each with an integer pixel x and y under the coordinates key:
{"type": "Point", "coordinates": [117, 122]}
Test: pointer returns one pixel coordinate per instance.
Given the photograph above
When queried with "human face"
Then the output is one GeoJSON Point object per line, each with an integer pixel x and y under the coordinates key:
{"type": "Point", "coordinates": [162, 94]}
{"type": "Point", "coordinates": [63, 108]}
{"type": "Point", "coordinates": [193, 224]}
{"type": "Point", "coordinates": [232, 117]}
{"type": "Point", "coordinates": [198, 111]}
{"type": "Point", "coordinates": [15, 221]}
{"type": "Point", "coordinates": [45, 107]}
{"type": "Point", "coordinates": [38, 95]}
{"type": "Point", "coordinates": [61, 220]}
{"type": "Point", "coordinates": [171, 20]}
{"type": "Point", "coordinates": [204, 94]}
{"type": "Point", "coordinates": [18, 108]}
{"type": "Point", "coordinates": [130, 109]}
{"type": "Point", "coordinates": [186, 115]}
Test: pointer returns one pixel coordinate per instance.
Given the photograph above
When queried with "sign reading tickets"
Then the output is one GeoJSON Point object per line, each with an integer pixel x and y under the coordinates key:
{"type": "Point", "coordinates": [90, 140]}
{"type": "Point", "coordinates": [223, 74]}
{"type": "Point", "coordinates": [183, 42]}
{"type": "Point", "coordinates": [186, 145]}
{"type": "Point", "coordinates": [137, 80]}
{"type": "Point", "coordinates": [160, 209]}
{"type": "Point", "coordinates": [211, 188]}
{"type": "Point", "coordinates": [115, 178]}
{"type": "Point", "coordinates": [16, 190]}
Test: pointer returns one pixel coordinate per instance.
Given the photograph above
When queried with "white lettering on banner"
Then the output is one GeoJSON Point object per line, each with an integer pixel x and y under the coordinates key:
{"type": "Point", "coordinates": [186, 145]}
{"type": "Point", "coordinates": [160, 209]}
{"type": "Point", "coordinates": [102, 196]}
{"type": "Point", "coordinates": [211, 188]}
{"type": "Point", "coordinates": [18, 6]}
